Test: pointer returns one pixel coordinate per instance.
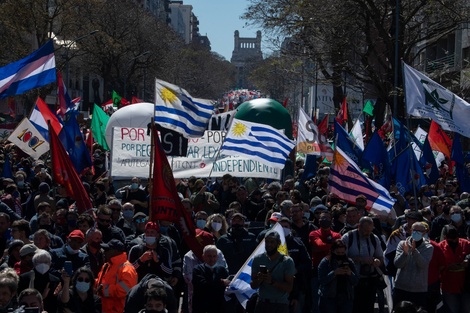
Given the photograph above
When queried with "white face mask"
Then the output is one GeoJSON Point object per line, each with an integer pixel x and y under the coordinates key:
{"type": "Point", "coordinates": [150, 240]}
{"type": "Point", "coordinates": [42, 268]}
{"type": "Point", "coordinates": [286, 231]}
{"type": "Point", "coordinates": [216, 226]}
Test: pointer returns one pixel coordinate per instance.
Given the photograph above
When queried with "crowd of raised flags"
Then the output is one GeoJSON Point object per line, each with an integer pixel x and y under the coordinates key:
{"type": "Point", "coordinates": [391, 155]}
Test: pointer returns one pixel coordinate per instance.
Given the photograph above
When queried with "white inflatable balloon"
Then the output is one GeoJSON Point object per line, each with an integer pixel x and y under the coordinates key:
{"type": "Point", "coordinates": [134, 115]}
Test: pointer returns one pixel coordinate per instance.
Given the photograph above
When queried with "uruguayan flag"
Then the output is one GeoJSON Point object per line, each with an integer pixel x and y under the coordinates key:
{"type": "Point", "coordinates": [175, 109]}
{"type": "Point", "coordinates": [260, 142]}
{"type": "Point", "coordinates": [240, 285]}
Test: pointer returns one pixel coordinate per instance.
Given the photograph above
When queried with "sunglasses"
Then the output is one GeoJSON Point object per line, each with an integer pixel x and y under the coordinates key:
{"type": "Point", "coordinates": [103, 220]}
{"type": "Point", "coordinates": [81, 279]}
{"type": "Point", "coordinates": [140, 220]}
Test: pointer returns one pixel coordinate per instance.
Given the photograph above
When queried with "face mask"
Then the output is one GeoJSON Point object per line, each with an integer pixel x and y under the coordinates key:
{"type": "Point", "coordinates": [325, 224]}
{"type": "Point", "coordinates": [446, 210]}
{"type": "Point", "coordinates": [286, 231]}
{"type": "Point", "coordinates": [16, 194]}
{"type": "Point", "coordinates": [82, 286]}
{"type": "Point", "coordinates": [237, 228]}
{"type": "Point", "coordinates": [456, 218]}
{"type": "Point", "coordinates": [416, 235]}
{"type": "Point", "coordinates": [20, 184]}
{"type": "Point", "coordinates": [211, 266]}
{"type": "Point", "coordinates": [216, 226]}
{"type": "Point", "coordinates": [163, 229]}
{"type": "Point", "coordinates": [128, 214]}
{"type": "Point", "coordinates": [95, 244]}
{"type": "Point", "coordinates": [200, 224]}
{"type": "Point", "coordinates": [42, 268]}
{"type": "Point", "coordinates": [134, 186]}
{"type": "Point", "coordinates": [70, 250]}
{"type": "Point", "coordinates": [307, 215]}
{"type": "Point", "coordinates": [150, 240]}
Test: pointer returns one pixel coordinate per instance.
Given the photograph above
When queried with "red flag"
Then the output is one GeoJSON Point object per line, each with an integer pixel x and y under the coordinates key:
{"type": "Point", "coordinates": [387, 127]}
{"type": "Point", "coordinates": [439, 140]}
{"type": "Point", "coordinates": [64, 173]}
{"type": "Point", "coordinates": [12, 107]}
{"type": "Point", "coordinates": [343, 113]}
{"type": "Point", "coordinates": [284, 103]}
{"type": "Point", "coordinates": [136, 100]}
{"type": "Point", "coordinates": [323, 126]}
{"type": "Point", "coordinates": [166, 204]}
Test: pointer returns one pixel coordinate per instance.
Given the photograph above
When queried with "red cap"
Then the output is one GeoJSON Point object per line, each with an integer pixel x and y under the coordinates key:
{"type": "Point", "coordinates": [77, 234]}
{"type": "Point", "coordinates": [152, 225]}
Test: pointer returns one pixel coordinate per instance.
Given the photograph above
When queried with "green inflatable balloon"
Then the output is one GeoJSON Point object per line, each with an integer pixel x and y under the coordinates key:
{"type": "Point", "coordinates": [266, 111]}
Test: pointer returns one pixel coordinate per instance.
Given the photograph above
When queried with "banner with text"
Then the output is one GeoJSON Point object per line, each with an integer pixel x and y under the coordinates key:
{"type": "Point", "coordinates": [130, 156]}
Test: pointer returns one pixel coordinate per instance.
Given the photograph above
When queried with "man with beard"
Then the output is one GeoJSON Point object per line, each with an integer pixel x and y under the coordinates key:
{"type": "Point", "coordinates": [108, 230]}
{"type": "Point", "coordinates": [365, 250]}
{"type": "Point", "coordinates": [237, 244]}
{"type": "Point", "coordinates": [273, 273]}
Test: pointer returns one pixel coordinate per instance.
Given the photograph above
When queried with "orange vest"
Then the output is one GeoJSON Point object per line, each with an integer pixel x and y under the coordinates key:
{"type": "Point", "coordinates": [117, 276]}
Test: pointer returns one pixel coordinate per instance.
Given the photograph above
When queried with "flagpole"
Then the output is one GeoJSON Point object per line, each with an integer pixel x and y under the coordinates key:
{"type": "Point", "coordinates": [152, 153]}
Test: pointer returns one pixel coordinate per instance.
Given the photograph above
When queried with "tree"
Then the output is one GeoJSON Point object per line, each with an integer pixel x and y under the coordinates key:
{"type": "Point", "coordinates": [359, 37]}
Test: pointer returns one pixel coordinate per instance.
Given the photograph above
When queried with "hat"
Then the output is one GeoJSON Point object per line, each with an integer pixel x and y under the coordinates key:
{"type": "Point", "coordinates": [275, 216]}
{"type": "Point", "coordinates": [14, 244]}
{"type": "Point", "coordinates": [204, 238]}
{"type": "Point", "coordinates": [239, 215]}
{"type": "Point", "coordinates": [274, 234]}
{"type": "Point", "coordinates": [414, 215]}
{"type": "Point", "coordinates": [62, 203]}
{"type": "Point", "coordinates": [361, 196]}
{"type": "Point", "coordinates": [39, 163]}
{"type": "Point", "coordinates": [449, 182]}
{"type": "Point", "coordinates": [28, 249]}
{"type": "Point", "coordinates": [285, 219]}
{"type": "Point", "coordinates": [139, 215]}
{"type": "Point", "coordinates": [315, 201]}
{"type": "Point", "coordinates": [8, 180]}
{"type": "Point", "coordinates": [155, 283]}
{"type": "Point", "coordinates": [286, 204]}
{"type": "Point", "coordinates": [113, 244]}
{"type": "Point", "coordinates": [152, 225]}
{"type": "Point", "coordinates": [76, 234]}
{"type": "Point", "coordinates": [44, 187]}
{"type": "Point", "coordinates": [320, 207]}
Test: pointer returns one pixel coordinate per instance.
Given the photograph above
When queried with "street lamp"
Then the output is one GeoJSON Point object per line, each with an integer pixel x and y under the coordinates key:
{"type": "Point", "coordinates": [70, 45]}
{"type": "Point", "coordinates": [128, 67]}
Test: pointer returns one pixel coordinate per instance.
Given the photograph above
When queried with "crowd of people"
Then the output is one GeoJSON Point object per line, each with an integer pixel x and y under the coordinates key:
{"type": "Point", "coordinates": [338, 257]}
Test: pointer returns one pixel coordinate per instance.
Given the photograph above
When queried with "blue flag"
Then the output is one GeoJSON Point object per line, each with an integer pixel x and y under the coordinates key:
{"type": "Point", "coordinates": [7, 171]}
{"type": "Point", "coordinates": [72, 140]}
{"type": "Point", "coordinates": [349, 147]}
{"type": "Point", "coordinates": [35, 70]}
{"type": "Point", "coordinates": [461, 170]}
{"type": "Point", "coordinates": [407, 171]}
{"type": "Point", "coordinates": [310, 167]}
{"type": "Point", "coordinates": [376, 153]}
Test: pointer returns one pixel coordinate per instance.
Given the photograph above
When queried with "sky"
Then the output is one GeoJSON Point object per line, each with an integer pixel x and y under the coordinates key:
{"type": "Point", "coordinates": [219, 19]}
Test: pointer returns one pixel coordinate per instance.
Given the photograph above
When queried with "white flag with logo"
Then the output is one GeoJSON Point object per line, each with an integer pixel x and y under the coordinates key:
{"type": "Point", "coordinates": [29, 139]}
{"type": "Point", "coordinates": [426, 98]}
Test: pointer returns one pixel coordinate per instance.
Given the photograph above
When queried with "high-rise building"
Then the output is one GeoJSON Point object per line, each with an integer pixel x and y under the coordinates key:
{"type": "Point", "coordinates": [246, 52]}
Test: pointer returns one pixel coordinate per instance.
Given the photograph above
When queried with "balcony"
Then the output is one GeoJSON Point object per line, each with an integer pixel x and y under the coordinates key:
{"type": "Point", "coordinates": [441, 64]}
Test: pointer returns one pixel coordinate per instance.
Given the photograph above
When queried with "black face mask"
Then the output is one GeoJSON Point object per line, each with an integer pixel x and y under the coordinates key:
{"type": "Point", "coordinates": [103, 227]}
{"type": "Point", "coordinates": [237, 229]}
{"type": "Point", "coordinates": [95, 245]}
{"type": "Point", "coordinates": [339, 257]}
{"type": "Point", "coordinates": [325, 224]}
{"type": "Point", "coordinates": [49, 228]}
{"type": "Point", "coordinates": [446, 210]}
{"type": "Point", "coordinates": [452, 244]}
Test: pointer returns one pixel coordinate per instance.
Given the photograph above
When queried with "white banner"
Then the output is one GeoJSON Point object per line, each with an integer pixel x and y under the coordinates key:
{"type": "Point", "coordinates": [29, 139]}
{"type": "Point", "coordinates": [426, 98]}
{"type": "Point", "coordinates": [130, 156]}
{"type": "Point", "coordinates": [308, 137]}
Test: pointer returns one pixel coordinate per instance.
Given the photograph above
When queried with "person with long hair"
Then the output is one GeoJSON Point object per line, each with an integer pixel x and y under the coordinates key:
{"type": "Point", "coordinates": [337, 277]}
{"type": "Point", "coordinates": [78, 295]}
{"type": "Point", "coordinates": [217, 225]}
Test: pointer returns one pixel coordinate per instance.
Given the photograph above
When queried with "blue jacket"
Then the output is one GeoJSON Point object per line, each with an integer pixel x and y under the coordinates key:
{"type": "Point", "coordinates": [328, 281]}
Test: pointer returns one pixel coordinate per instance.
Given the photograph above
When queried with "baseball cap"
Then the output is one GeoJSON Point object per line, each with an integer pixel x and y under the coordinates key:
{"type": "Point", "coordinates": [275, 216]}
{"type": "Point", "coordinates": [239, 215]}
{"type": "Point", "coordinates": [76, 234]}
{"type": "Point", "coordinates": [113, 244]}
{"type": "Point", "coordinates": [28, 249]}
{"type": "Point", "coordinates": [152, 225]}
{"type": "Point", "coordinates": [361, 196]}
{"type": "Point", "coordinates": [320, 207]}
{"type": "Point", "coordinates": [414, 215]}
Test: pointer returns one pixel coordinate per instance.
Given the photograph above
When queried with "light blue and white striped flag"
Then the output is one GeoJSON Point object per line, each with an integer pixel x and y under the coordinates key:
{"type": "Point", "coordinates": [260, 142]}
{"type": "Point", "coordinates": [175, 109]}
{"type": "Point", "coordinates": [240, 285]}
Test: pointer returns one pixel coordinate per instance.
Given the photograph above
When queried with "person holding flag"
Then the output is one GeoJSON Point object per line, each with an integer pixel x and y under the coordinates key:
{"type": "Point", "coordinates": [273, 273]}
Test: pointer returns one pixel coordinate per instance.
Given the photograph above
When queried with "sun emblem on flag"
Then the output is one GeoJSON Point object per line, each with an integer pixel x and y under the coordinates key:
{"type": "Point", "coordinates": [239, 129]}
{"type": "Point", "coordinates": [167, 95]}
{"type": "Point", "coordinates": [338, 159]}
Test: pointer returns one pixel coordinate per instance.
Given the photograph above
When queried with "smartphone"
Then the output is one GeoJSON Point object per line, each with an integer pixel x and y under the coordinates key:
{"type": "Point", "coordinates": [263, 269]}
{"type": "Point", "coordinates": [31, 310]}
{"type": "Point", "coordinates": [68, 268]}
